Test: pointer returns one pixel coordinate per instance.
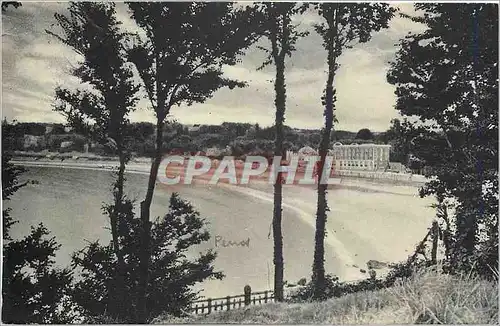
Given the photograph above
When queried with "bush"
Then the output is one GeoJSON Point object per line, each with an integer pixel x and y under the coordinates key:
{"type": "Point", "coordinates": [104, 298]}
{"type": "Point", "coordinates": [37, 144]}
{"type": "Point", "coordinates": [336, 288]}
{"type": "Point", "coordinates": [54, 142]}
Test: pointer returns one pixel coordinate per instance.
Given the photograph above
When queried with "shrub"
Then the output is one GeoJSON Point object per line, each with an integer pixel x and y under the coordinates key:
{"type": "Point", "coordinates": [54, 142]}
{"type": "Point", "coordinates": [172, 273]}
{"type": "Point", "coordinates": [336, 288]}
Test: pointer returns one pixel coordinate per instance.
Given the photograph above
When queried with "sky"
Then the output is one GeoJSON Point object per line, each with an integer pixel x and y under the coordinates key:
{"type": "Point", "coordinates": [34, 63]}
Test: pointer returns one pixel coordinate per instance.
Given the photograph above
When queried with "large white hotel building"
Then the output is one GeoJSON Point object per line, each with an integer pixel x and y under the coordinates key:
{"type": "Point", "coordinates": [370, 157]}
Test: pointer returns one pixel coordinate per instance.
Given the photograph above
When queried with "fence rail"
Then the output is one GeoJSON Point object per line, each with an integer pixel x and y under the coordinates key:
{"type": "Point", "coordinates": [210, 305]}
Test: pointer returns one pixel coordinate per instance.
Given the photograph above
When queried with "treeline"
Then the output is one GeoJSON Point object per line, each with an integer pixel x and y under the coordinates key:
{"type": "Point", "coordinates": [242, 138]}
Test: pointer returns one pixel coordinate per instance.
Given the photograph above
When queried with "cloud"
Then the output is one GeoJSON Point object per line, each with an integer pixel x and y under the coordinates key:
{"type": "Point", "coordinates": [34, 64]}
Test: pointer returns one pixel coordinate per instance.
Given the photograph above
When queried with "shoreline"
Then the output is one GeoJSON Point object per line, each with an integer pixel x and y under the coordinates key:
{"type": "Point", "coordinates": [263, 191]}
{"type": "Point", "coordinates": [369, 180]}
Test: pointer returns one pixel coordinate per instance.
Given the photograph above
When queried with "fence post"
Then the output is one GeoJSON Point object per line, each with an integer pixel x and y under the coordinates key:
{"type": "Point", "coordinates": [435, 238]}
{"type": "Point", "coordinates": [265, 297]}
{"type": "Point", "coordinates": [248, 293]}
{"type": "Point", "coordinates": [209, 305]}
{"type": "Point", "coordinates": [228, 302]}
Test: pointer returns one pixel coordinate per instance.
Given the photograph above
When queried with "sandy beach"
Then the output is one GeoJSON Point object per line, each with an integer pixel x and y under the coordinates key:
{"type": "Point", "coordinates": [365, 219]}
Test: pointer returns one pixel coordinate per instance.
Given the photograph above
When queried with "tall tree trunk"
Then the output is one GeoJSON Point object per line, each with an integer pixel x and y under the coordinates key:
{"type": "Point", "coordinates": [280, 100]}
{"type": "Point", "coordinates": [146, 226]}
{"type": "Point", "coordinates": [117, 296]}
{"type": "Point", "coordinates": [322, 205]}
{"type": "Point", "coordinates": [119, 185]}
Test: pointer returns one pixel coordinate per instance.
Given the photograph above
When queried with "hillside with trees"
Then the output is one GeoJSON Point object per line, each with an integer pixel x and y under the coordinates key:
{"type": "Point", "coordinates": [242, 138]}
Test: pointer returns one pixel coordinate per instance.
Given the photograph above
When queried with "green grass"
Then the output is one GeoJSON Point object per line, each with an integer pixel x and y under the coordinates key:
{"type": "Point", "coordinates": [429, 297]}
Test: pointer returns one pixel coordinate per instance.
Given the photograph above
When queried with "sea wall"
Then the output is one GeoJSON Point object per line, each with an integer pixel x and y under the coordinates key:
{"type": "Point", "coordinates": [143, 165]}
{"type": "Point", "coordinates": [384, 176]}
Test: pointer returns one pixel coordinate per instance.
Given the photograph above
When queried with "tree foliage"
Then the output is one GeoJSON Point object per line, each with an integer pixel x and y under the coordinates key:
{"type": "Point", "coordinates": [10, 184]}
{"type": "Point", "coordinates": [187, 44]}
{"type": "Point", "coordinates": [400, 136]}
{"type": "Point", "coordinates": [91, 30]}
{"type": "Point", "coordinates": [364, 134]}
{"type": "Point", "coordinates": [275, 24]}
{"type": "Point", "coordinates": [447, 76]}
{"type": "Point", "coordinates": [34, 291]}
{"type": "Point", "coordinates": [173, 270]}
{"type": "Point", "coordinates": [10, 177]}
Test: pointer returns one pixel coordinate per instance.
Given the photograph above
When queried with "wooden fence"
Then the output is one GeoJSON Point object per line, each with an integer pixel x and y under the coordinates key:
{"type": "Point", "coordinates": [207, 306]}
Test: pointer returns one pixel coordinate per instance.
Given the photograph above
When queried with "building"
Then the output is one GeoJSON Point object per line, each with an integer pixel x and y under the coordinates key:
{"type": "Point", "coordinates": [31, 142]}
{"type": "Point", "coordinates": [396, 167]}
{"type": "Point", "coordinates": [213, 152]}
{"type": "Point", "coordinates": [370, 157]}
{"type": "Point", "coordinates": [176, 151]}
{"type": "Point", "coordinates": [66, 146]}
{"type": "Point", "coordinates": [194, 128]}
{"type": "Point", "coordinates": [307, 151]}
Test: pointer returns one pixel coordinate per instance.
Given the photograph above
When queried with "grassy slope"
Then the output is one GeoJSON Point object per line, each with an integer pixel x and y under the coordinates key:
{"type": "Point", "coordinates": [427, 298]}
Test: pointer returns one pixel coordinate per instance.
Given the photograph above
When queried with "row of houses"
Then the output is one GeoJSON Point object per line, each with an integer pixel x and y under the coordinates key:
{"type": "Point", "coordinates": [362, 157]}
{"type": "Point", "coordinates": [210, 152]}
{"type": "Point", "coordinates": [358, 157]}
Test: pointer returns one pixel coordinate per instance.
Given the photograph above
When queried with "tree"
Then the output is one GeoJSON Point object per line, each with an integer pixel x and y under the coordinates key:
{"type": "Point", "coordinates": [236, 128]}
{"type": "Point", "coordinates": [345, 24]}
{"type": "Point", "coordinates": [32, 128]}
{"type": "Point", "coordinates": [400, 136]}
{"type": "Point", "coordinates": [142, 130]}
{"type": "Point", "coordinates": [180, 61]}
{"type": "Point", "coordinates": [364, 134]}
{"type": "Point", "coordinates": [276, 19]}
{"type": "Point", "coordinates": [447, 76]}
{"type": "Point", "coordinates": [173, 270]}
{"type": "Point", "coordinates": [398, 141]}
{"type": "Point", "coordinates": [143, 133]}
{"type": "Point", "coordinates": [92, 31]}
{"type": "Point", "coordinates": [33, 291]}
{"type": "Point", "coordinates": [10, 175]}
